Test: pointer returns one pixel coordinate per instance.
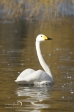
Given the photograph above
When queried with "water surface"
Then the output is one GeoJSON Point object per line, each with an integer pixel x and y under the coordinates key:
{"type": "Point", "coordinates": [17, 52]}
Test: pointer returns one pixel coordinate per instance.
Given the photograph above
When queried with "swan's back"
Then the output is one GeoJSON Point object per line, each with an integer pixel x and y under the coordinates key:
{"type": "Point", "coordinates": [35, 77]}
{"type": "Point", "coordinates": [24, 74]}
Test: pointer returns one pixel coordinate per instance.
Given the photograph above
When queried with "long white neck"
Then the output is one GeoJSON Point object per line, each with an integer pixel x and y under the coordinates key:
{"type": "Point", "coordinates": [41, 60]}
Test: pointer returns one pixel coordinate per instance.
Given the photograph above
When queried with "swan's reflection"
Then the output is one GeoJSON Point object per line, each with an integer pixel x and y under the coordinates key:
{"type": "Point", "coordinates": [33, 97]}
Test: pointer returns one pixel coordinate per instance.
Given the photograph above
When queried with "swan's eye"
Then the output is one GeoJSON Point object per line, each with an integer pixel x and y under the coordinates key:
{"type": "Point", "coordinates": [41, 36]}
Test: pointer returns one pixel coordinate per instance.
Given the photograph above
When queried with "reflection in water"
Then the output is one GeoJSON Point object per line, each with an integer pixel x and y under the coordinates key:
{"type": "Point", "coordinates": [34, 97]}
{"type": "Point", "coordinates": [31, 98]}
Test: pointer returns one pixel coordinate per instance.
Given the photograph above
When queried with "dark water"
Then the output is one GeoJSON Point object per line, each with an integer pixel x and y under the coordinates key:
{"type": "Point", "coordinates": [17, 52]}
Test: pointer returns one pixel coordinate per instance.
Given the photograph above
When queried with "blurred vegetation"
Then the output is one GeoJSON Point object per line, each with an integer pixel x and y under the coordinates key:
{"type": "Point", "coordinates": [36, 9]}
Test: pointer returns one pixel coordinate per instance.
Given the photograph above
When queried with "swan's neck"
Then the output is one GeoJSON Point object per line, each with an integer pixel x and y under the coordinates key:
{"type": "Point", "coordinates": [41, 60]}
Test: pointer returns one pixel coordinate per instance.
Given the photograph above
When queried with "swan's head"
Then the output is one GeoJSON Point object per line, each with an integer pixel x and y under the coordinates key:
{"type": "Point", "coordinates": [42, 37]}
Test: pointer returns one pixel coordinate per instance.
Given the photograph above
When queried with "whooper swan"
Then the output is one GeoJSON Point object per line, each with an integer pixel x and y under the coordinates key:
{"type": "Point", "coordinates": [30, 76]}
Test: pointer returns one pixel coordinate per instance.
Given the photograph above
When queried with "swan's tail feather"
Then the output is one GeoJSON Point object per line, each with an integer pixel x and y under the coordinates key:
{"type": "Point", "coordinates": [21, 82]}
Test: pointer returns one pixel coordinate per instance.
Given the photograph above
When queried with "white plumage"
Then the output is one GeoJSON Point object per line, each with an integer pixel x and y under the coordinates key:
{"type": "Point", "coordinates": [30, 76]}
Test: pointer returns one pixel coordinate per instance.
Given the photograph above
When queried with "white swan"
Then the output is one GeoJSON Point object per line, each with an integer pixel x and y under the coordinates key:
{"type": "Point", "coordinates": [30, 76]}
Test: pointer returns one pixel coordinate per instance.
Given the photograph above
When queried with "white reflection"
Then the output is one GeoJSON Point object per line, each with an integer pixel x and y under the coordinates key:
{"type": "Point", "coordinates": [33, 98]}
{"type": "Point", "coordinates": [19, 103]}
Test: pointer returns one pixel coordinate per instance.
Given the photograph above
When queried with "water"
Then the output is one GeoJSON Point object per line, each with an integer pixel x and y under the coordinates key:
{"type": "Point", "coordinates": [17, 52]}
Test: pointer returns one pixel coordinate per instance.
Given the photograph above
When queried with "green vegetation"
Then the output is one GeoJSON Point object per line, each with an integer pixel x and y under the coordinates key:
{"type": "Point", "coordinates": [35, 9]}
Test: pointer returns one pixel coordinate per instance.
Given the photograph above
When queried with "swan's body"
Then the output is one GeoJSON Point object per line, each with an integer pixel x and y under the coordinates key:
{"type": "Point", "coordinates": [30, 76]}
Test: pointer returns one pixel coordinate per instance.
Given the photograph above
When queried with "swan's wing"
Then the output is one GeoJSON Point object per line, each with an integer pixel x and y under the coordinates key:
{"type": "Point", "coordinates": [24, 74]}
{"type": "Point", "coordinates": [37, 76]}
